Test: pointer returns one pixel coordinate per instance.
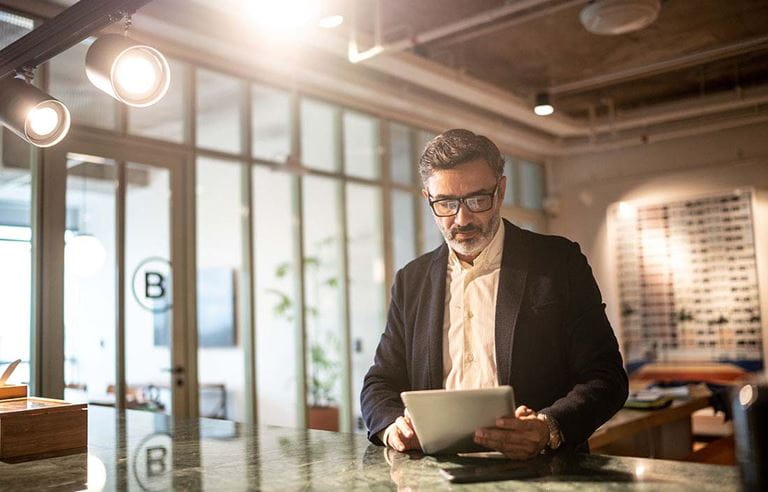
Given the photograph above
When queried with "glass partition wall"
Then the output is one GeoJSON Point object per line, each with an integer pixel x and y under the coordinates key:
{"type": "Point", "coordinates": [16, 183]}
{"type": "Point", "coordinates": [296, 214]}
{"type": "Point", "coordinates": [16, 231]}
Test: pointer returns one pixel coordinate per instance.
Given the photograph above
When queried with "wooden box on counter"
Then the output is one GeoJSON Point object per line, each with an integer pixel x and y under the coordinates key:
{"type": "Point", "coordinates": [40, 427]}
{"type": "Point", "coordinates": [13, 391]}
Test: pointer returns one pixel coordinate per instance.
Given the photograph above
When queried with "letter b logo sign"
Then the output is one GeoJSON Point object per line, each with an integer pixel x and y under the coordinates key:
{"type": "Point", "coordinates": [152, 284]}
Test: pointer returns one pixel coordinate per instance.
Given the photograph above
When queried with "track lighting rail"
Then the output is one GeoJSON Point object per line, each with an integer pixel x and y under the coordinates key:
{"type": "Point", "coordinates": [71, 26]}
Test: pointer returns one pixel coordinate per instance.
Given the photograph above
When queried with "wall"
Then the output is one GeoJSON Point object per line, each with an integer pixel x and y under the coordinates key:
{"type": "Point", "coordinates": [586, 185]}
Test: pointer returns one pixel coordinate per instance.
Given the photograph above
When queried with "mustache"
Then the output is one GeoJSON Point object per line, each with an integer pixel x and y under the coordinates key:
{"type": "Point", "coordinates": [463, 230]}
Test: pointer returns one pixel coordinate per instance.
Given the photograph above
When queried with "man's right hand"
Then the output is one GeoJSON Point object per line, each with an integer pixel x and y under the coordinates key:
{"type": "Point", "coordinates": [402, 436]}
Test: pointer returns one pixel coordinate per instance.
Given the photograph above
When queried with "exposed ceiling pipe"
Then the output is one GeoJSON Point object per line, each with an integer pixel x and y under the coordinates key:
{"type": "Point", "coordinates": [506, 24]}
{"type": "Point", "coordinates": [592, 118]}
{"type": "Point", "coordinates": [687, 129]}
{"type": "Point", "coordinates": [355, 55]}
{"type": "Point", "coordinates": [701, 106]}
{"type": "Point", "coordinates": [698, 58]}
{"type": "Point", "coordinates": [608, 101]}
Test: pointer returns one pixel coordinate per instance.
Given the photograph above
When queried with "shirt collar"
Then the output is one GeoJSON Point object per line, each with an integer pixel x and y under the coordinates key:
{"type": "Point", "coordinates": [488, 259]}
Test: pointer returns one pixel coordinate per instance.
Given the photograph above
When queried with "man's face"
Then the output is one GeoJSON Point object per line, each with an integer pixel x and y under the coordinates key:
{"type": "Point", "coordinates": [467, 232]}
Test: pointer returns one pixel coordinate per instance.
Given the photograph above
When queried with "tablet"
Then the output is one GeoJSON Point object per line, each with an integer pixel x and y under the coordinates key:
{"type": "Point", "coordinates": [445, 420]}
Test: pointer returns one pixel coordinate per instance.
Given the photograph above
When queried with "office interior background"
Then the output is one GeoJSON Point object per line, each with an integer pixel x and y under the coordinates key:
{"type": "Point", "coordinates": [228, 251]}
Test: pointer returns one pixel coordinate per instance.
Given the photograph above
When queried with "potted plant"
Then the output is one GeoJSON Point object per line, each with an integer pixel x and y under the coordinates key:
{"type": "Point", "coordinates": [324, 376]}
{"type": "Point", "coordinates": [323, 346]}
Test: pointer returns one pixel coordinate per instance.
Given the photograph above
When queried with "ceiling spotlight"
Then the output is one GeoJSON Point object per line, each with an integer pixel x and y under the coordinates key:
{"type": "Point", "coordinates": [31, 113]}
{"type": "Point", "coordinates": [543, 107]}
{"type": "Point", "coordinates": [133, 73]}
{"type": "Point", "coordinates": [331, 21]}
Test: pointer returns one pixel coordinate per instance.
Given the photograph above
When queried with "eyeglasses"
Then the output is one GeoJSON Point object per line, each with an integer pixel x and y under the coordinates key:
{"type": "Point", "coordinates": [479, 202]}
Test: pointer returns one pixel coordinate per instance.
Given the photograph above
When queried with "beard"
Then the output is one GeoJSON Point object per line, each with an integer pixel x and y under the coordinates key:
{"type": "Point", "coordinates": [474, 245]}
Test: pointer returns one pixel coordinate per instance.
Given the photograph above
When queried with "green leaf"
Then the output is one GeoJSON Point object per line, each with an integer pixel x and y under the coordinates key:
{"type": "Point", "coordinates": [311, 261]}
{"type": "Point", "coordinates": [282, 270]}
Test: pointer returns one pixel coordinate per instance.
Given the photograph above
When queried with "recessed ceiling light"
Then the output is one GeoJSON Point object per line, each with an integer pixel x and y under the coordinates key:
{"type": "Point", "coordinates": [611, 17]}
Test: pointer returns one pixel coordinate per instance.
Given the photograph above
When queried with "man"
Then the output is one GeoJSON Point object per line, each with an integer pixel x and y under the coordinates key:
{"type": "Point", "coordinates": [494, 305]}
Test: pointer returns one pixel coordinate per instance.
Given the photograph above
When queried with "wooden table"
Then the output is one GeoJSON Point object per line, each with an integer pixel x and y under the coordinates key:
{"type": "Point", "coordinates": [664, 433]}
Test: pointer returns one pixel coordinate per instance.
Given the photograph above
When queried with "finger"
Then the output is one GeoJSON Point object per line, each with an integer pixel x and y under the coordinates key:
{"type": "Point", "coordinates": [516, 448]}
{"type": "Point", "coordinates": [505, 446]}
{"type": "Point", "coordinates": [412, 443]}
{"type": "Point", "coordinates": [508, 448]}
{"type": "Point", "coordinates": [404, 428]}
{"type": "Point", "coordinates": [396, 441]}
{"type": "Point", "coordinates": [522, 410]}
{"type": "Point", "coordinates": [511, 423]}
{"type": "Point", "coordinates": [515, 438]}
{"type": "Point", "coordinates": [524, 435]}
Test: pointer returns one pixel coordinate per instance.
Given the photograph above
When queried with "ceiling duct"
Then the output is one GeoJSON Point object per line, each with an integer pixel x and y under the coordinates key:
{"type": "Point", "coordinates": [611, 17]}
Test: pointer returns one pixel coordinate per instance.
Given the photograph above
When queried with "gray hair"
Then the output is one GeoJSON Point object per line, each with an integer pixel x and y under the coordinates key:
{"type": "Point", "coordinates": [459, 146]}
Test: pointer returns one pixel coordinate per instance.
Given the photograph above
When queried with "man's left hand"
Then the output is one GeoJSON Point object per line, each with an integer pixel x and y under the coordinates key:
{"type": "Point", "coordinates": [520, 436]}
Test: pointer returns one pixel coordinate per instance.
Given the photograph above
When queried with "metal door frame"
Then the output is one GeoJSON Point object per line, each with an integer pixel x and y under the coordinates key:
{"type": "Point", "coordinates": [48, 338]}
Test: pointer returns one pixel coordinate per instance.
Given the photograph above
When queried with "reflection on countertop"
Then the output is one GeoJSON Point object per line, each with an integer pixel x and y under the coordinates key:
{"type": "Point", "coordinates": [146, 451]}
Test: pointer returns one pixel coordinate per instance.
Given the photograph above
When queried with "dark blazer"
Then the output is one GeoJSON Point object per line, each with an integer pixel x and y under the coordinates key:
{"type": "Point", "coordinates": [554, 344]}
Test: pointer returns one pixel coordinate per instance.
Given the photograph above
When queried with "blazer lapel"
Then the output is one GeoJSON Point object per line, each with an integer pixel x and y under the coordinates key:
{"type": "Point", "coordinates": [435, 296]}
{"type": "Point", "coordinates": [512, 276]}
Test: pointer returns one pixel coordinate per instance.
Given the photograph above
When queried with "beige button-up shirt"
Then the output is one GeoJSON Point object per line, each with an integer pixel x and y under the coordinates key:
{"type": "Point", "coordinates": [469, 321]}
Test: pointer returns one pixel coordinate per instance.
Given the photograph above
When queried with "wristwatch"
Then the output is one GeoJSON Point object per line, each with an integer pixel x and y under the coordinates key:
{"type": "Point", "coordinates": [555, 436]}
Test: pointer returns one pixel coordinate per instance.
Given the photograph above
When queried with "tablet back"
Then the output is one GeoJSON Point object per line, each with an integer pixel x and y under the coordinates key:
{"type": "Point", "coordinates": [445, 420]}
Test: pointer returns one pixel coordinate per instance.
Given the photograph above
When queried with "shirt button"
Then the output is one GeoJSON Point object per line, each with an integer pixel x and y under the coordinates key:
{"type": "Point", "coordinates": [470, 357]}
{"type": "Point", "coordinates": [469, 315]}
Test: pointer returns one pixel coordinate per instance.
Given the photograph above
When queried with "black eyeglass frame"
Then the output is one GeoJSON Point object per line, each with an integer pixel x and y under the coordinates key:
{"type": "Point", "coordinates": [463, 201]}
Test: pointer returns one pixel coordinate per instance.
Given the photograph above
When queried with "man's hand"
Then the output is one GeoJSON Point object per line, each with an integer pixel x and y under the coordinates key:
{"type": "Point", "coordinates": [519, 437]}
{"type": "Point", "coordinates": [402, 437]}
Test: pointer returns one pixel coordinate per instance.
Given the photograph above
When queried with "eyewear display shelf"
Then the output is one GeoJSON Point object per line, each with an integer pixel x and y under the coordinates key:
{"type": "Point", "coordinates": [688, 281]}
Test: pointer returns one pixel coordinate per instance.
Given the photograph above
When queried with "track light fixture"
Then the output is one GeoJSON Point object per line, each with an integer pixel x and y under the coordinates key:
{"type": "Point", "coordinates": [543, 106]}
{"type": "Point", "coordinates": [32, 114]}
{"type": "Point", "coordinates": [133, 73]}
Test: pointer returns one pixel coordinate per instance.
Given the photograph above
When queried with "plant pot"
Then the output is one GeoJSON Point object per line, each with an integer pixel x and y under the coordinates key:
{"type": "Point", "coordinates": [324, 418]}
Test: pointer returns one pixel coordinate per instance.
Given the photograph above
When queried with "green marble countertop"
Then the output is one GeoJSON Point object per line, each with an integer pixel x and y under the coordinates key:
{"type": "Point", "coordinates": [146, 451]}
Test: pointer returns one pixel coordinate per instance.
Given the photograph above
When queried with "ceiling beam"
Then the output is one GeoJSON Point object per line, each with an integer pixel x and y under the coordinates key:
{"type": "Point", "coordinates": [690, 60]}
